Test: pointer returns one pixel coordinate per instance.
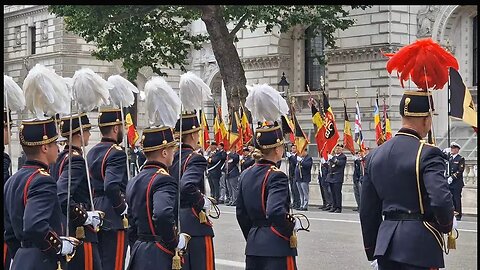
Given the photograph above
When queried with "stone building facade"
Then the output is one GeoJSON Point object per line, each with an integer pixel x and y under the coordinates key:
{"type": "Point", "coordinates": [355, 71]}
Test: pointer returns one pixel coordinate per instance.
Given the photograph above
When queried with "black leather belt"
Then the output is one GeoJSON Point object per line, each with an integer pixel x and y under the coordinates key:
{"type": "Point", "coordinates": [404, 216]}
{"type": "Point", "coordinates": [150, 238]}
{"type": "Point", "coordinates": [27, 244]}
{"type": "Point", "coordinates": [261, 223]}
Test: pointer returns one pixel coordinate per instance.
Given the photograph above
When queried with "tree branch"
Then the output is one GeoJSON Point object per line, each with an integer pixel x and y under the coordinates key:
{"type": "Point", "coordinates": [239, 25]}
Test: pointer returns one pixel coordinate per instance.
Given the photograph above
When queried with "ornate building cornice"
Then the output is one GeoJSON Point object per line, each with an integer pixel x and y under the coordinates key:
{"type": "Point", "coordinates": [354, 55]}
{"type": "Point", "coordinates": [265, 62]}
{"type": "Point", "coordinates": [24, 12]}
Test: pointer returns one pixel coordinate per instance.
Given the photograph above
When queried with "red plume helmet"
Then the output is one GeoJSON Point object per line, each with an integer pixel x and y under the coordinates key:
{"type": "Point", "coordinates": [425, 62]}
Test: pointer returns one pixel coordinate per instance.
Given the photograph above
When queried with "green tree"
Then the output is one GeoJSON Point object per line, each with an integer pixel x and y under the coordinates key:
{"type": "Point", "coordinates": [158, 36]}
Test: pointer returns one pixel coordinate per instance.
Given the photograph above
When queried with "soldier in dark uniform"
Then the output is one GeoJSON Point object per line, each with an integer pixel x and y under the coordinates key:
{"type": "Point", "coordinates": [153, 199]}
{"type": "Point", "coordinates": [83, 222]}
{"type": "Point", "coordinates": [214, 170]}
{"type": "Point", "coordinates": [231, 174]}
{"type": "Point", "coordinates": [6, 174]}
{"type": "Point", "coordinates": [263, 207]}
{"type": "Point", "coordinates": [405, 183]}
{"type": "Point", "coordinates": [108, 172]}
{"type": "Point", "coordinates": [335, 178]}
{"type": "Point", "coordinates": [194, 205]}
{"type": "Point", "coordinates": [247, 160]}
{"type": "Point", "coordinates": [323, 185]}
{"type": "Point", "coordinates": [455, 180]}
{"type": "Point", "coordinates": [292, 165]}
{"type": "Point", "coordinates": [32, 214]}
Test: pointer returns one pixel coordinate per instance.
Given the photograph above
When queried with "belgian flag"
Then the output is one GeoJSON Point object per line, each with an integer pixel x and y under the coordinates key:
{"type": "Point", "coordinates": [235, 133]}
{"type": "Point", "coordinates": [331, 135]}
{"type": "Point", "coordinates": [247, 133]}
{"type": "Point", "coordinates": [204, 135]}
{"type": "Point", "coordinates": [288, 127]}
{"type": "Point", "coordinates": [347, 133]}
{"type": "Point", "coordinates": [379, 137]}
{"type": "Point", "coordinates": [461, 102]}
{"type": "Point", "coordinates": [317, 120]}
{"type": "Point", "coordinates": [301, 140]}
{"type": "Point", "coordinates": [132, 134]}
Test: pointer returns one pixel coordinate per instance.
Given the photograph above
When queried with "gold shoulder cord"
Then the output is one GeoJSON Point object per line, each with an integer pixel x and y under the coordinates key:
{"type": "Point", "coordinates": [438, 235]}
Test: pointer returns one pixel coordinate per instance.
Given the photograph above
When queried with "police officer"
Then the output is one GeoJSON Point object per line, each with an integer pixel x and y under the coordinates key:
{"type": "Point", "coordinates": [193, 203]}
{"type": "Point", "coordinates": [6, 141]}
{"type": "Point", "coordinates": [263, 206]}
{"type": "Point", "coordinates": [108, 172]}
{"type": "Point", "coordinates": [214, 172]}
{"type": "Point", "coordinates": [32, 214]}
{"type": "Point", "coordinates": [404, 181]}
{"type": "Point", "coordinates": [83, 222]}
{"type": "Point", "coordinates": [247, 159]}
{"type": "Point", "coordinates": [335, 178]}
{"type": "Point", "coordinates": [152, 196]}
{"type": "Point", "coordinates": [232, 173]}
{"type": "Point", "coordinates": [455, 180]}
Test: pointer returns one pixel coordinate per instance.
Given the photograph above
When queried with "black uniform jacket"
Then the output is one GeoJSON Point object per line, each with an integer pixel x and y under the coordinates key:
{"type": "Point", "coordinates": [231, 168]}
{"type": "Point", "coordinates": [32, 214]}
{"type": "Point", "coordinates": [457, 166]}
{"type": "Point", "coordinates": [292, 165]}
{"type": "Point", "coordinates": [246, 162]}
{"type": "Point", "coordinates": [79, 194]}
{"type": "Point", "coordinates": [6, 167]}
{"type": "Point", "coordinates": [215, 163]}
{"type": "Point", "coordinates": [396, 187]}
{"type": "Point", "coordinates": [108, 175]}
{"type": "Point", "coordinates": [336, 169]}
{"type": "Point", "coordinates": [262, 208]}
{"type": "Point", "coordinates": [192, 188]}
{"type": "Point", "coordinates": [152, 199]}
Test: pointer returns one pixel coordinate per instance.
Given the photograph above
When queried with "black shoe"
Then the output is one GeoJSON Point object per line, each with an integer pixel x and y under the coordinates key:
{"type": "Point", "coordinates": [228, 204]}
{"type": "Point", "coordinates": [459, 218]}
{"type": "Point", "coordinates": [355, 209]}
{"type": "Point", "coordinates": [233, 204]}
{"type": "Point", "coordinates": [220, 202]}
{"type": "Point", "coordinates": [338, 210]}
{"type": "Point", "coordinates": [305, 209]}
{"type": "Point", "coordinates": [327, 208]}
{"type": "Point", "coordinates": [332, 210]}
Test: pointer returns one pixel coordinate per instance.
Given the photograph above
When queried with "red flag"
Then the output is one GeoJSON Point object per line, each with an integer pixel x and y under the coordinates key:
{"type": "Point", "coordinates": [331, 135]}
{"type": "Point", "coordinates": [132, 134]}
{"type": "Point", "coordinates": [247, 133]}
{"type": "Point", "coordinates": [378, 126]}
{"type": "Point", "coordinates": [317, 120]}
{"type": "Point", "coordinates": [205, 140]}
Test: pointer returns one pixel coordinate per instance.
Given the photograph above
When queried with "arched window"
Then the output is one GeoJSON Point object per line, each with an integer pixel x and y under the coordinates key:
{"type": "Point", "coordinates": [314, 59]}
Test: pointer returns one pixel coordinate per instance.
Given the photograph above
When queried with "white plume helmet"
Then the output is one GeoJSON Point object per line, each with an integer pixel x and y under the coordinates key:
{"type": "Point", "coordinates": [69, 82]}
{"type": "Point", "coordinates": [13, 95]}
{"type": "Point", "coordinates": [163, 103]}
{"type": "Point", "coordinates": [46, 92]}
{"type": "Point", "coordinates": [122, 93]}
{"type": "Point", "coordinates": [265, 103]}
{"type": "Point", "coordinates": [193, 92]}
{"type": "Point", "coordinates": [90, 89]}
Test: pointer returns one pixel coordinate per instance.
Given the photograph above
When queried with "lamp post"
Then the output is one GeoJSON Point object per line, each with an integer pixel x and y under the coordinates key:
{"type": "Point", "coordinates": [283, 82]}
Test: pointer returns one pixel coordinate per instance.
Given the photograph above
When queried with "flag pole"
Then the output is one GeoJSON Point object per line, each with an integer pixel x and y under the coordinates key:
{"type": "Point", "coordinates": [448, 110]}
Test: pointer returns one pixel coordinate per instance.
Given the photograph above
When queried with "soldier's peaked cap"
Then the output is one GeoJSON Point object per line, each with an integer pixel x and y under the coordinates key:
{"type": "Point", "coordinates": [109, 117]}
{"type": "Point", "coordinates": [156, 138]}
{"type": "Point", "coordinates": [454, 144]}
{"type": "Point", "coordinates": [269, 136]}
{"type": "Point", "coordinates": [190, 123]}
{"type": "Point", "coordinates": [37, 132]}
{"type": "Point", "coordinates": [76, 119]}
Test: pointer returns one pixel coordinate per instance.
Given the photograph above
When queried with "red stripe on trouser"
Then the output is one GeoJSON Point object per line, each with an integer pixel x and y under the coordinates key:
{"type": "Point", "coordinates": [87, 247]}
{"type": "Point", "coordinates": [208, 253]}
{"type": "Point", "coordinates": [290, 263]}
{"type": "Point", "coordinates": [5, 248]}
{"type": "Point", "coordinates": [119, 253]}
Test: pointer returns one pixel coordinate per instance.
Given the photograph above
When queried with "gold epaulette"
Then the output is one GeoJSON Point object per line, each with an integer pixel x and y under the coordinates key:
{"type": "Point", "coordinates": [275, 169]}
{"type": "Point", "coordinates": [162, 171]}
{"type": "Point", "coordinates": [117, 147]}
{"type": "Point", "coordinates": [76, 153]}
{"type": "Point", "coordinates": [43, 172]}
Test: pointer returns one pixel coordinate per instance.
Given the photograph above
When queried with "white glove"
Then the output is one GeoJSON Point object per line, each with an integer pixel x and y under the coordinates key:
{"type": "Point", "coordinates": [374, 264]}
{"type": "Point", "coordinates": [93, 219]}
{"type": "Point", "coordinates": [330, 156]}
{"type": "Point", "coordinates": [182, 241]}
{"type": "Point", "coordinates": [207, 203]}
{"type": "Point", "coordinates": [125, 211]}
{"type": "Point", "coordinates": [450, 180]}
{"type": "Point", "coordinates": [297, 225]}
{"type": "Point", "coordinates": [455, 223]}
{"type": "Point", "coordinates": [68, 245]}
{"type": "Point", "coordinates": [289, 154]}
{"type": "Point", "coordinates": [299, 158]}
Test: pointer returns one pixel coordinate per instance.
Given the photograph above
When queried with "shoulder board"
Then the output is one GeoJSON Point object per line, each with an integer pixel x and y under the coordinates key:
{"type": "Point", "coordinates": [76, 153]}
{"type": "Point", "coordinates": [162, 171]}
{"type": "Point", "coordinates": [116, 146]}
{"type": "Point", "coordinates": [43, 172]}
{"type": "Point", "coordinates": [429, 144]}
{"type": "Point", "coordinates": [275, 169]}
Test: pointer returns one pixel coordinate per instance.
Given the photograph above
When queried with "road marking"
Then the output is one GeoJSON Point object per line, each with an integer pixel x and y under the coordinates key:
{"type": "Point", "coordinates": [230, 263]}
{"type": "Point", "coordinates": [353, 221]}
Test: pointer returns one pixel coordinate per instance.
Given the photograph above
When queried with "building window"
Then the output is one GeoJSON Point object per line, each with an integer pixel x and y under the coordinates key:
{"type": "Point", "coordinates": [314, 59]}
{"type": "Point", "coordinates": [475, 52]}
{"type": "Point", "coordinates": [32, 32]}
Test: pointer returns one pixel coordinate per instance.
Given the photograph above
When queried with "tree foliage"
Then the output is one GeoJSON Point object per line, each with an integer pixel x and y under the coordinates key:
{"type": "Point", "coordinates": [158, 36]}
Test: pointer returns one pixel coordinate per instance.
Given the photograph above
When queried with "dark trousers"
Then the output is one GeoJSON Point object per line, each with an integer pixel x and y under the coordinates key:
{"type": "Point", "coordinates": [295, 192]}
{"type": "Point", "coordinates": [357, 190]}
{"type": "Point", "coordinates": [112, 246]}
{"type": "Point", "coordinates": [86, 256]}
{"type": "Point", "coordinates": [200, 254]}
{"type": "Point", "coordinates": [214, 183]}
{"type": "Point", "coordinates": [270, 263]}
{"type": "Point", "coordinates": [322, 193]}
{"type": "Point", "coordinates": [386, 264]}
{"type": "Point", "coordinates": [328, 194]}
{"type": "Point", "coordinates": [336, 189]}
{"type": "Point", "coordinates": [232, 184]}
{"type": "Point", "coordinates": [457, 199]}
{"type": "Point", "coordinates": [7, 257]}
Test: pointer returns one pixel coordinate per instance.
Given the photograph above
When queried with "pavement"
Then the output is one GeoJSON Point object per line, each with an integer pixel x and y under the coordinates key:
{"type": "Point", "coordinates": [334, 242]}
